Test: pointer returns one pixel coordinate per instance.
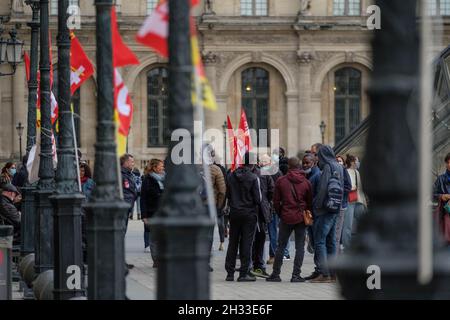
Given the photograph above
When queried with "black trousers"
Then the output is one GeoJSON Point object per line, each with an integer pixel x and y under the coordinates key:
{"type": "Point", "coordinates": [242, 232]}
{"type": "Point", "coordinates": [283, 238]}
{"type": "Point", "coordinates": [258, 246]}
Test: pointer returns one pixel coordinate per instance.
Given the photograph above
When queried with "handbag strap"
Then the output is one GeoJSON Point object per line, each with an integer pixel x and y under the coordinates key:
{"type": "Point", "coordinates": [294, 193]}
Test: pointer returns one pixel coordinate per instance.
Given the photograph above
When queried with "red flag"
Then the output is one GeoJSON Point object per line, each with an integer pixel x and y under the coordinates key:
{"type": "Point", "coordinates": [122, 55]}
{"type": "Point", "coordinates": [232, 143]}
{"type": "Point", "coordinates": [243, 138]}
{"type": "Point", "coordinates": [123, 106]}
{"type": "Point", "coordinates": [26, 59]}
{"type": "Point", "coordinates": [81, 67]}
{"type": "Point", "coordinates": [154, 33]}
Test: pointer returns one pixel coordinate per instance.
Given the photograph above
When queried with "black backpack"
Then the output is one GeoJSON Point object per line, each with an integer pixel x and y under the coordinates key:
{"type": "Point", "coordinates": [335, 192]}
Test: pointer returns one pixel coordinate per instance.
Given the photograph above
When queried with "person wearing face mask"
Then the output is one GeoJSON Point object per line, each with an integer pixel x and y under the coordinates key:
{"type": "Point", "coordinates": [356, 200]}
{"type": "Point", "coordinates": [8, 172]}
{"type": "Point", "coordinates": [9, 214]}
{"type": "Point", "coordinates": [347, 189]}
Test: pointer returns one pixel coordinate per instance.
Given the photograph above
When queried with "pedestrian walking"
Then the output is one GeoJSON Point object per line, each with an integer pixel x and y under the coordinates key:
{"type": "Point", "coordinates": [21, 177]}
{"type": "Point", "coordinates": [326, 206]}
{"type": "Point", "coordinates": [341, 217]}
{"type": "Point", "coordinates": [356, 201]}
{"type": "Point", "coordinates": [87, 185]}
{"type": "Point", "coordinates": [442, 196]}
{"type": "Point", "coordinates": [129, 187]}
{"type": "Point", "coordinates": [244, 196]}
{"type": "Point", "coordinates": [151, 193]}
{"type": "Point", "coordinates": [292, 198]}
{"type": "Point", "coordinates": [137, 176]}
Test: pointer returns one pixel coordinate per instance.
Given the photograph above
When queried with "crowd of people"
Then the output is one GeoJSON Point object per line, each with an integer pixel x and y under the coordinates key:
{"type": "Point", "coordinates": [252, 201]}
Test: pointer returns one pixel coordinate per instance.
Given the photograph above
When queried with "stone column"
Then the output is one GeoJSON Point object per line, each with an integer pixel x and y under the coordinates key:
{"type": "Point", "coordinates": [309, 113]}
{"type": "Point", "coordinates": [19, 109]}
{"type": "Point", "coordinates": [212, 120]}
{"type": "Point", "coordinates": [292, 130]}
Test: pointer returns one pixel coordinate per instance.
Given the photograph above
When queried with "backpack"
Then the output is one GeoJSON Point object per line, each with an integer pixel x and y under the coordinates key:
{"type": "Point", "coordinates": [335, 192]}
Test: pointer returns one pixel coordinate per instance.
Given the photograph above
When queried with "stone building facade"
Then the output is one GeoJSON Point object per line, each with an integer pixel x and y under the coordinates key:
{"type": "Point", "coordinates": [291, 63]}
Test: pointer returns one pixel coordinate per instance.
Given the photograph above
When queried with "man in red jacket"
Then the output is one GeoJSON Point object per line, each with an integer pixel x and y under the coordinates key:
{"type": "Point", "coordinates": [292, 197]}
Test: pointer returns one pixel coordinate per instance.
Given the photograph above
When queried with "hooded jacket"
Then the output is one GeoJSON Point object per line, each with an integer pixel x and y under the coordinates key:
{"type": "Point", "coordinates": [9, 215]}
{"type": "Point", "coordinates": [290, 207]}
{"type": "Point", "coordinates": [328, 164]}
{"type": "Point", "coordinates": [243, 192]}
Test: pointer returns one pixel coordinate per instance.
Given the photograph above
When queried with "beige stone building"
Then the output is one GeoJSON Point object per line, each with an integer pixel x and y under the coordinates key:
{"type": "Point", "coordinates": [290, 63]}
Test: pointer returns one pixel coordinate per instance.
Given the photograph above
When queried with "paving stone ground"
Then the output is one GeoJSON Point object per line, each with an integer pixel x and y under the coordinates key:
{"type": "Point", "coordinates": [141, 282]}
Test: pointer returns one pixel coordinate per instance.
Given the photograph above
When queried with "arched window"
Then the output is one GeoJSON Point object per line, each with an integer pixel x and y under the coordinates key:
{"type": "Point", "coordinates": [254, 7]}
{"type": "Point", "coordinates": [347, 95]}
{"type": "Point", "coordinates": [439, 7]}
{"type": "Point", "coordinates": [255, 97]}
{"type": "Point", "coordinates": [346, 7]}
{"type": "Point", "coordinates": [151, 5]}
{"type": "Point", "coordinates": [157, 100]}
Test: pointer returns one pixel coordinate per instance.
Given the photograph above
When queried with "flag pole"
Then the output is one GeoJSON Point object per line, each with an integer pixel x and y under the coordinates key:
{"type": "Point", "coordinates": [75, 147]}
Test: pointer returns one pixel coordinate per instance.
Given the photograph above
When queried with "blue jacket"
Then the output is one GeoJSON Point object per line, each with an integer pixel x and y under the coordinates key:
{"type": "Point", "coordinates": [86, 188]}
{"type": "Point", "coordinates": [314, 178]}
{"type": "Point", "coordinates": [130, 192]}
{"type": "Point", "coordinates": [347, 188]}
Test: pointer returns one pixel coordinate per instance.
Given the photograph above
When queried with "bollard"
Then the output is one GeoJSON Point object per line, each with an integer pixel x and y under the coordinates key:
{"type": "Point", "coordinates": [6, 240]}
{"type": "Point", "coordinates": [43, 286]}
{"type": "Point", "coordinates": [28, 275]}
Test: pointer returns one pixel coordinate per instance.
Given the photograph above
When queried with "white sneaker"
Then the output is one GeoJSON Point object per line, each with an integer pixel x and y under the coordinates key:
{"type": "Point", "coordinates": [147, 250]}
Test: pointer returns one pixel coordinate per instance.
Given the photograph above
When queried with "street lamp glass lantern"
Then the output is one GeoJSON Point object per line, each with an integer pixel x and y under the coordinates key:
{"type": "Point", "coordinates": [322, 127]}
{"type": "Point", "coordinates": [14, 50]}
{"type": "Point", "coordinates": [20, 129]}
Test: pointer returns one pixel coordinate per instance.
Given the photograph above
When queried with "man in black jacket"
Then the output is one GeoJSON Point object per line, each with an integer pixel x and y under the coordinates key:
{"type": "Point", "coordinates": [9, 215]}
{"type": "Point", "coordinates": [129, 187]}
{"type": "Point", "coordinates": [244, 196]}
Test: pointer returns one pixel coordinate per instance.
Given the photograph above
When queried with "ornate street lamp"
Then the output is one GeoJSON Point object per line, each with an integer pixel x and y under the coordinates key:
{"type": "Point", "coordinates": [10, 50]}
{"type": "Point", "coordinates": [46, 184]}
{"type": "Point", "coordinates": [322, 131]}
{"type": "Point", "coordinates": [20, 129]}
{"type": "Point", "coordinates": [382, 262]}
{"type": "Point", "coordinates": [182, 224]}
{"type": "Point", "coordinates": [107, 212]}
{"type": "Point", "coordinates": [67, 199]}
{"type": "Point", "coordinates": [28, 223]}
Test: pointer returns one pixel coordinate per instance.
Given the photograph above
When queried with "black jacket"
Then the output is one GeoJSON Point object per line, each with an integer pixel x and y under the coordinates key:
{"type": "Point", "coordinates": [243, 192]}
{"type": "Point", "coordinates": [129, 187]}
{"type": "Point", "coordinates": [151, 194]}
{"type": "Point", "coordinates": [9, 215]}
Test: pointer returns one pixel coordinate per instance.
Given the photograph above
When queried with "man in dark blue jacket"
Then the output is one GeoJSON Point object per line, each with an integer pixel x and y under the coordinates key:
{"type": "Point", "coordinates": [130, 191]}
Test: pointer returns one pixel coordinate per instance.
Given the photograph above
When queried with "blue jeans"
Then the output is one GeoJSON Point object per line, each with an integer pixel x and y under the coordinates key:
{"type": "Point", "coordinates": [273, 236]}
{"type": "Point", "coordinates": [325, 241]}
{"type": "Point", "coordinates": [348, 225]}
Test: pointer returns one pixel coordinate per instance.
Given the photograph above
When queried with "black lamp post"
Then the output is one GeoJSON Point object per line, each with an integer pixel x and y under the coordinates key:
{"type": "Point", "coordinates": [387, 235]}
{"type": "Point", "coordinates": [67, 199]}
{"type": "Point", "coordinates": [19, 129]}
{"type": "Point", "coordinates": [322, 131]}
{"type": "Point", "coordinates": [28, 223]}
{"type": "Point", "coordinates": [107, 213]}
{"type": "Point", "coordinates": [10, 50]}
{"type": "Point", "coordinates": [182, 214]}
{"type": "Point", "coordinates": [46, 184]}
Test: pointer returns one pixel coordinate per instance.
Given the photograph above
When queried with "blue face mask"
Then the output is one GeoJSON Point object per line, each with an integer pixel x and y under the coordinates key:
{"type": "Point", "coordinates": [12, 171]}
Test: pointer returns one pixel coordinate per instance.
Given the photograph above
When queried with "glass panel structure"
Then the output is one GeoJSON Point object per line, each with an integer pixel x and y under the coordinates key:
{"type": "Point", "coordinates": [157, 100]}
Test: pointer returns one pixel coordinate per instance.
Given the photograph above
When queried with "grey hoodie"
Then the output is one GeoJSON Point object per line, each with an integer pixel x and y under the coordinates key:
{"type": "Point", "coordinates": [328, 164]}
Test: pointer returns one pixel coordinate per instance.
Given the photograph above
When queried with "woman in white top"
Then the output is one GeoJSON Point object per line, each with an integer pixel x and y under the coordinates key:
{"type": "Point", "coordinates": [356, 200]}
